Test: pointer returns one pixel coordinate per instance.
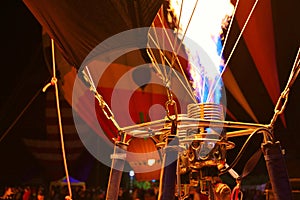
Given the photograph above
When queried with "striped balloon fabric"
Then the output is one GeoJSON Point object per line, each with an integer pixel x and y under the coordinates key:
{"type": "Point", "coordinates": [48, 151]}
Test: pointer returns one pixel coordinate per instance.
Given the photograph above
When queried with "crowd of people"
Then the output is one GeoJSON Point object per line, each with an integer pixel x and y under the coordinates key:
{"type": "Point", "coordinates": [54, 193]}
{"type": "Point", "coordinates": [78, 193]}
{"type": "Point", "coordinates": [94, 193]}
{"type": "Point", "coordinates": [23, 193]}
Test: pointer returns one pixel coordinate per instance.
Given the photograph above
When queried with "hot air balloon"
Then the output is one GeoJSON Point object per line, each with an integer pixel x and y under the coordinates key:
{"type": "Point", "coordinates": [78, 27]}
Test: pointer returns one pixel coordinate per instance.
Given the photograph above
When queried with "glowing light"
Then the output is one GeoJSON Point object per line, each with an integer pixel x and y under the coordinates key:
{"type": "Point", "coordinates": [204, 29]}
{"type": "Point", "coordinates": [131, 173]}
{"type": "Point", "coordinates": [151, 162]}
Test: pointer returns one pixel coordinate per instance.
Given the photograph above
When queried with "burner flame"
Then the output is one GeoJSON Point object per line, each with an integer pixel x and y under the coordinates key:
{"type": "Point", "coordinates": [204, 28]}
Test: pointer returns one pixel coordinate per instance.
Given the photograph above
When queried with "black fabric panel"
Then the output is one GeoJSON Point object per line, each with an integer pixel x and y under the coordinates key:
{"type": "Point", "coordinates": [78, 26]}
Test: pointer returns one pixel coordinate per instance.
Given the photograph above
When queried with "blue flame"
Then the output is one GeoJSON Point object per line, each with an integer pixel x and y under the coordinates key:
{"type": "Point", "coordinates": [204, 83]}
{"type": "Point", "coordinates": [204, 26]}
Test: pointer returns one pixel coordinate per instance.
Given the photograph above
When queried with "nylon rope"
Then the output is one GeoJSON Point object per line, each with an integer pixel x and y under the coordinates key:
{"type": "Point", "coordinates": [179, 20]}
{"type": "Point", "coordinates": [191, 95]}
{"type": "Point", "coordinates": [188, 89]}
{"type": "Point", "coordinates": [234, 47]}
{"type": "Point", "coordinates": [160, 189]}
{"type": "Point", "coordinates": [174, 56]}
{"type": "Point", "coordinates": [163, 46]}
{"type": "Point", "coordinates": [181, 41]}
{"type": "Point", "coordinates": [178, 177]}
{"type": "Point", "coordinates": [155, 63]}
{"type": "Point", "coordinates": [20, 115]}
{"type": "Point", "coordinates": [163, 77]}
{"type": "Point", "coordinates": [54, 82]}
{"type": "Point", "coordinates": [168, 76]}
{"type": "Point", "coordinates": [224, 45]}
{"type": "Point", "coordinates": [192, 14]}
{"type": "Point", "coordinates": [152, 57]}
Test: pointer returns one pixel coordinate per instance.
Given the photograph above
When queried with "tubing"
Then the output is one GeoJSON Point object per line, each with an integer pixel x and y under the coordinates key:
{"type": "Point", "coordinates": [169, 172]}
{"type": "Point", "coordinates": [277, 171]}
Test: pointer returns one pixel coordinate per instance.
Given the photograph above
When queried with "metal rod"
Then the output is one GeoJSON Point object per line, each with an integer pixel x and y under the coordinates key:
{"type": "Point", "coordinates": [143, 125]}
{"type": "Point", "coordinates": [185, 122]}
{"type": "Point", "coordinates": [220, 124]}
{"type": "Point", "coordinates": [116, 171]}
{"type": "Point", "coordinates": [239, 133]}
